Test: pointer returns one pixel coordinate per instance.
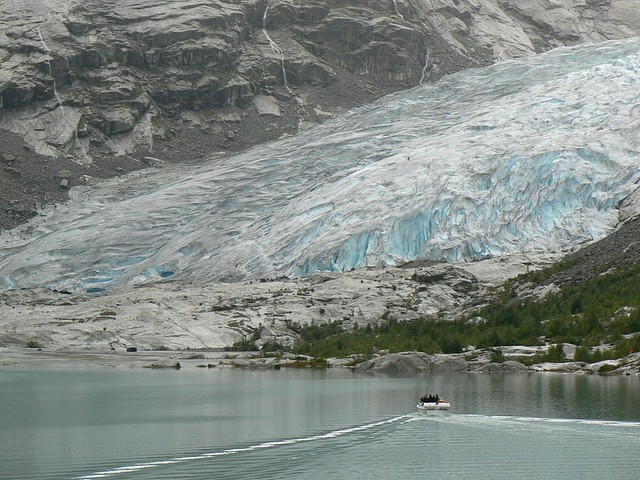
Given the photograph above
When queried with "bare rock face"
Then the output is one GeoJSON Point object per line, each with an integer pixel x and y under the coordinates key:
{"type": "Point", "coordinates": [112, 63]}
{"type": "Point", "coordinates": [219, 315]}
{"type": "Point", "coordinates": [105, 65]}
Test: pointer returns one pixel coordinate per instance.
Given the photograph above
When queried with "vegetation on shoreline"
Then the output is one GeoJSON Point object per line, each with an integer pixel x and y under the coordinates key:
{"type": "Point", "coordinates": [601, 316]}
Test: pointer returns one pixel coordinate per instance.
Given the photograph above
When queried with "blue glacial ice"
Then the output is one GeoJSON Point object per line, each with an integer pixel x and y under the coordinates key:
{"type": "Point", "coordinates": [528, 155]}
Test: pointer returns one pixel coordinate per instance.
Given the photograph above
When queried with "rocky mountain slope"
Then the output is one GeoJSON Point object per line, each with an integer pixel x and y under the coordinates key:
{"type": "Point", "coordinates": [98, 88]}
{"type": "Point", "coordinates": [178, 315]}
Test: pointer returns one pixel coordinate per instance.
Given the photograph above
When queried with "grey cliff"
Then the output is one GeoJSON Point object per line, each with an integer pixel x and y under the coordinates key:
{"type": "Point", "coordinates": [102, 87]}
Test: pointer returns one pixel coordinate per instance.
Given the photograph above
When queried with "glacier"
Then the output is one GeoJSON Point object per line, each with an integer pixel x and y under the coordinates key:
{"type": "Point", "coordinates": [528, 155]}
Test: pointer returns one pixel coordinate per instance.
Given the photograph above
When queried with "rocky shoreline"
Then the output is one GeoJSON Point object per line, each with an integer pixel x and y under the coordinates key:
{"type": "Point", "coordinates": [480, 361]}
{"type": "Point", "coordinates": [394, 364]}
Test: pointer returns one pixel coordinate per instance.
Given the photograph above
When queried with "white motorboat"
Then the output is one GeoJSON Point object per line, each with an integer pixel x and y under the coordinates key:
{"type": "Point", "coordinates": [427, 406]}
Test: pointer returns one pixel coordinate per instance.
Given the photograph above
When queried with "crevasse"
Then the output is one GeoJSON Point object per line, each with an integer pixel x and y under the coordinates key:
{"type": "Point", "coordinates": [523, 156]}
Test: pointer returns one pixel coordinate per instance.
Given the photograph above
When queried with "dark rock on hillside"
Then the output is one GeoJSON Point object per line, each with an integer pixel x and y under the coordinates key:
{"type": "Point", "coordinates": [29, 180]}
{"type": "Point", "coordinates": [84, 82]}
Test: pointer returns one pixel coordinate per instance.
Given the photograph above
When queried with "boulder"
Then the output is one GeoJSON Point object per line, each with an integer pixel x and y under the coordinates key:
{"type": "Point", "coordinates": [604, 366]}
{"type": "Point", "coordinates": [164, 365]}
{"type": "Point", "coordinates": [398, 363]}
{"type": "Point", "coordinates": [51, 131]}
{"type": "Point", "coordinates": [267, 105]}
{"type": "Point", "coordinates": [448, 363]}
{"type": "Point", "coordinates": [509, 366]}
{"type": "Point", "coordinates": [117, 120]}
{"type": "Point", "coordinates": [629, 365]}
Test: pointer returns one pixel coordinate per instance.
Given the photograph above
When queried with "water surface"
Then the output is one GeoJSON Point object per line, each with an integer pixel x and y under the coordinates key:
{"type": "Point", "coordinates": [294, 424]}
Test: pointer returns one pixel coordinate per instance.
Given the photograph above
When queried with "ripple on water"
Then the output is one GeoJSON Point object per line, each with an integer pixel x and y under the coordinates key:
{"type": "Point", "coordinates": [410, 446]}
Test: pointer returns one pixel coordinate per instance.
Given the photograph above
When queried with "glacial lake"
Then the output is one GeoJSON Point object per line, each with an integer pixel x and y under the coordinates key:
{"type": "Point", "coordinates": [300, 424]}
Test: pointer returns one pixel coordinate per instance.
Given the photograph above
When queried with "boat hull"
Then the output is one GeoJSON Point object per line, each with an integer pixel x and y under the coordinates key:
{"type": "Point", "coordinates": [429, 406]}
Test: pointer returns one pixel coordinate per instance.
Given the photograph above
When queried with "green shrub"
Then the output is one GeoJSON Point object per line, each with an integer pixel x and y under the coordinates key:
{"type": "Point", "coordinates": [497, 356]}
{"type": "Point", "coordinates": [555, 354]}
{"type": "Point", "coordinates": [274, 347]}
{"type": "Point", "coordinates": [606, 368]}
{"type": "Point", "coordinates": [582, 355]}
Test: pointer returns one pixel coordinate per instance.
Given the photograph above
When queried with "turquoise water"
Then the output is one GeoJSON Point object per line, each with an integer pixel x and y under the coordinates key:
{"type": "Point", "coordinates": [295, 424]}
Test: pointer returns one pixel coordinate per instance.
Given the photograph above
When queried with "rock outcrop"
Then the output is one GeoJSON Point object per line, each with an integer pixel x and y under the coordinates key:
{"type": "Point", "coordinates": [629, 365]}
{"type": "Point", "coordinates": [510, 366]}
{"type": "Point", "coordinates": [412, 362]}
{"type": "Point", "coordinates": [398, 363]}
{"type": "Point", "coordinates": [406, 363]}
{"type": "Point", "coordinates": [175, 315]}
{"type": "Point", "coordinates": [76, 73]}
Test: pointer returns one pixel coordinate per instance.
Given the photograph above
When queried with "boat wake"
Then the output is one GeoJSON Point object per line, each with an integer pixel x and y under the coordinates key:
{"type": "Point", "coordinates": [474, 418]}
{"type": "Point", "coordinates": [460, 420]}
{"type": "Point", "coordinates": [232, 451]}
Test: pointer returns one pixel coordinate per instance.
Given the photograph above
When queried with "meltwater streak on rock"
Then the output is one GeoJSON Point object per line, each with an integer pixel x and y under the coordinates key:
{"type": "Point", "coordinates": [526, 155]}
